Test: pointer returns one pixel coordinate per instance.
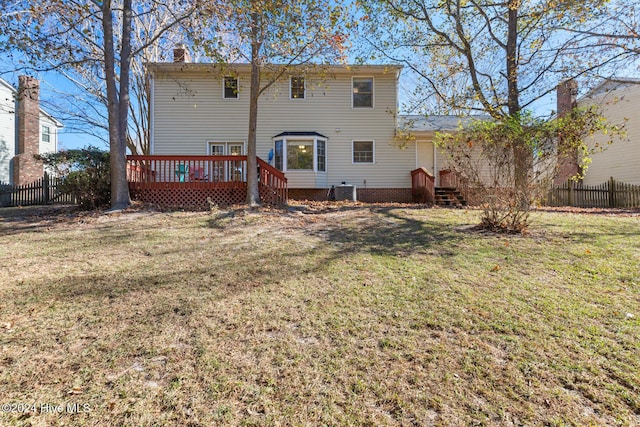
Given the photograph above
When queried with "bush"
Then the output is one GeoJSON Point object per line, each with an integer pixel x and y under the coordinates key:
{"type": "Point", "coordinates": [510, 165]}
{"type": "Point", "coordinates": [85, 174]}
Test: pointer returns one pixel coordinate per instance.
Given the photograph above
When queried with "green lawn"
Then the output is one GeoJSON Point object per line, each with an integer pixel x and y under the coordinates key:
{"type": "Point", "coordinates": [358, 315]}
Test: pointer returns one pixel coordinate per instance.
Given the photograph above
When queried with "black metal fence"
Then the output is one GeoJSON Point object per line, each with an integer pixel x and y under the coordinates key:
{"type": "Point", "coordinates": [44, 191]}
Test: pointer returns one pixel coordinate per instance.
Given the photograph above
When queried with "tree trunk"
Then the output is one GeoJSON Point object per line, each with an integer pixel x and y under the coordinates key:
{"type": "Point", "coordinates": [513, 100]}
{"type": "Point", "coordinates": [117, 121]}
{"type": "Point", "coordinates": [253, 191]}
{"type": "Point", "coordinates": [522, 154]}
{"type": "Point", "coordinates": [112, 98]}
{"type": "Point", "coordinates": [120, 199]}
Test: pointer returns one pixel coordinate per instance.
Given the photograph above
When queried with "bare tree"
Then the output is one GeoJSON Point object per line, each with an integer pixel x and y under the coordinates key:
{"type": "Point", "coordinates": [498, 58]}
{"type": "Point", "coordinates": [85, 38]}
{"type": "Point", "coordinates": [83, 106]}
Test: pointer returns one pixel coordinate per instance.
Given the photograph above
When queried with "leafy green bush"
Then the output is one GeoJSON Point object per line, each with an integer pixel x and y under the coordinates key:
{"type": "Point", "coordinates": [85, 174]}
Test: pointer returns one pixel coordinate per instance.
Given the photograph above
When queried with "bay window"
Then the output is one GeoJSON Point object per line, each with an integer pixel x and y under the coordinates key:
{"type": "Point", "coordinates": [300, 153]}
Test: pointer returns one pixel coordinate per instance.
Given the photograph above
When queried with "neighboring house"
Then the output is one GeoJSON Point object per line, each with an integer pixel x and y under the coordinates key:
{"type": "Point", "coordinates": [336, 125]}
{"type": "Point", "coordinates": [620, 103]}
{"type": "Point", "coordinates": [25, 130]}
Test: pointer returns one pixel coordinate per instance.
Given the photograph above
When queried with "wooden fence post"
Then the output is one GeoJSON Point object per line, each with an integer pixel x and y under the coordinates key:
{"type": "Point", "coordinates": [570, 192]}
{"type": "Point", "coordinates": [612, 193]}
{"type": "Point", "coordinates": [45, 188]}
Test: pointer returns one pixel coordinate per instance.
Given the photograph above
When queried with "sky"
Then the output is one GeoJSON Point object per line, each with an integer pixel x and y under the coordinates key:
{"type": "Point", "coordinates": [52, 83]}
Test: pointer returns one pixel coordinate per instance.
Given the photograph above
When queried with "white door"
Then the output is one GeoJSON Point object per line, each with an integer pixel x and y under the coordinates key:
{"type": "Point", "coordinates": [425, 155]}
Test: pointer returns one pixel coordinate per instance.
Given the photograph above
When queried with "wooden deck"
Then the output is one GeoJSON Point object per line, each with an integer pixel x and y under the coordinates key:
{"type": "Point", "coordinates": [199, 181]}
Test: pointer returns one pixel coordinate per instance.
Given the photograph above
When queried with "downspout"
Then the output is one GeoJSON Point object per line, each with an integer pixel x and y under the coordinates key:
{"type": "Point", "coordinates": [436, 175]}
{"type": "Point", "coordinates": [152, 128]}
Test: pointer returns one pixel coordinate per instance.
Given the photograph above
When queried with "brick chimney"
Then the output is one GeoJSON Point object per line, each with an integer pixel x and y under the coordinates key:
{"type": "Point", "coordinates": [567, 93]}
{"type": "Point", "coordinates": [568, 166]}
{"type": "Point", "coordinates": [25, 168]}
{"type": "Point", "coordinates": [181, 54]}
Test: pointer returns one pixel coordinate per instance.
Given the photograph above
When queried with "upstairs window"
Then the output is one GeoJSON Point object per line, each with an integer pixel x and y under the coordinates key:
{"type": "Point", "coordinates": [46, 134]}
{"type": "Point", "coordinates": [297, 87]}
{"type": "Point", "coordinates": [363, 92]}
{"type": "Point", "coordinates": [230, 87]}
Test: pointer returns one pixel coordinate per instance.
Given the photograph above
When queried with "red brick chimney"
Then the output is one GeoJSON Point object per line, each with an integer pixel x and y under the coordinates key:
{"type": "Point", "coordinates": [567, 101]}
{"type": "Point", "coordinates": [567, 93]}
{"type": "Point", "coordinates": [181, 54]}
{"type": "Point", "coordinates": [25, 168]}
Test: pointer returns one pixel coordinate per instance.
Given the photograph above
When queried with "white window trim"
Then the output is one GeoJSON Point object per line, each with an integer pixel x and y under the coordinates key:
{"type": "Point", "coordinates": [305, 88]}
{"type": "Point", "coordinates": [48, 133]}
{"type": "Point", "coordinates": [373, 92]}
{"type": "Point", "coordinates": [315, 139]}
{"type": "Point", "coordinates": [225, 142]}
{"type": "Point", "coordinates": [373, 147]}
{"type": "Point", "coordinates": [238, 88]}
{"type": "Point", "coordinates": [315, 155]}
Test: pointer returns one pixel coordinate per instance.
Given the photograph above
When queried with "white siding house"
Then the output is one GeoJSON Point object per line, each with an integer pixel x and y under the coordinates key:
{"type": "Point", "coordinates": [48, 129]}
{"type": "Point", "coordinates": [321, 128]}
{"type": "Point", "coordinates": [620, 104]}
{"type": "Point", "coordinates": [7, 129]}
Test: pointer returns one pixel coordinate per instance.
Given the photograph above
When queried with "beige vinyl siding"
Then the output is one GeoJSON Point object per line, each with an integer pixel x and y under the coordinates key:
{"type": "Point", "coordinates": [484, 172]}
{"type": "Point", "coordinates": [7, 131]}
{"type": "Point", "coordinates": [620, 160]}
{"type": "Point", "coordinates": [189, 110]}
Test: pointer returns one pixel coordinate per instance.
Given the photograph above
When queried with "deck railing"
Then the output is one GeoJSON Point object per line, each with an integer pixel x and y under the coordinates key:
{"type": "Point", "coordinates": [450, 179]}
{"type": "Point", "coordinates": [273, 184]}
{"type": "Point", "coordinates": [422, 186]}
{"type": "Point", "coordinates": [222, 178]}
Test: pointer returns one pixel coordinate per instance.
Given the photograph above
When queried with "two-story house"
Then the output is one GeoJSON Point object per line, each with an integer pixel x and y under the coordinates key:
{"type": "Point", "coordinates": [25, 130]}
{"type": "Point", "coordinates": [321, 126]}
{"type": "Point", "coordinates": [619, 101]}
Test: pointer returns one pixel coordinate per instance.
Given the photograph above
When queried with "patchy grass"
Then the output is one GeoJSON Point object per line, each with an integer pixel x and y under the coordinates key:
{"type": "Point", "coordinates": [358, 315]}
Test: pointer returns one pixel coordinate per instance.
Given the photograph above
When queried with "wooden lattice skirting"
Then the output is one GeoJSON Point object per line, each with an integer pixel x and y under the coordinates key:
{"type": "Point", "coordinates": [192, 197]}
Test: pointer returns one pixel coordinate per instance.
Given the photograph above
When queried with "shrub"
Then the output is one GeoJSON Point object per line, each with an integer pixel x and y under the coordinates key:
{"type": "Point", "coordinates": [510, 165]}
{"type": "Point", "coordinates": [85, 174]}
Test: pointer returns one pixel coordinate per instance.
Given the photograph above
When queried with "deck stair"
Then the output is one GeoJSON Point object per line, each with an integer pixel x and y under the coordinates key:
{"type": "Point", "coordinates": [449, 196]}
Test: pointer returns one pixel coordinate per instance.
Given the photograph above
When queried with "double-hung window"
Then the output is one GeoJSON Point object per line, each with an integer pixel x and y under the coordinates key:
{"type": "Point", "coordinates": [362, 92]}
{"type": "Point", "coordinates": [297, 87]}
{"type": "Point", "coordinates": [363, 152]}
{"type": "Point", "coordinates": [46, 134]}
{"type": "Point", "coordinates": [230, 87]}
